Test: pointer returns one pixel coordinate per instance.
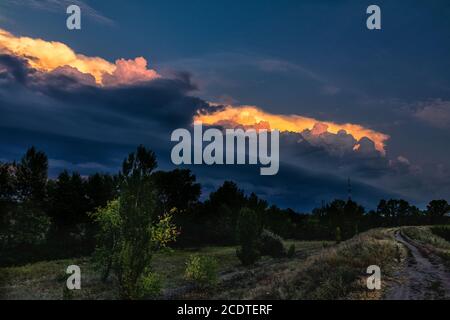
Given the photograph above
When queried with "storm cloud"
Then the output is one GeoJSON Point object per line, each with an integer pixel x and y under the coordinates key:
{"type": "Point", "coordinates": [88, 118]}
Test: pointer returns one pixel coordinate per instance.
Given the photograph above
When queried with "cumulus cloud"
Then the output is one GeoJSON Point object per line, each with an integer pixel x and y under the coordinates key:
{"type": "Point", "coordinates": [129, 72]}
{"type": "Point", "coordinates": [316, 131]}
{"type": "Point", "coordinates": [47, 56]}
{"type": "Point", "coordinates": [90, 125]}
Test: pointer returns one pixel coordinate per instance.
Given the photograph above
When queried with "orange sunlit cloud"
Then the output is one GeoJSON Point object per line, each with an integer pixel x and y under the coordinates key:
{"type": "Point", "coordinates": [250, 116]}
{"type": "Point", "coordinates": [47, 56]}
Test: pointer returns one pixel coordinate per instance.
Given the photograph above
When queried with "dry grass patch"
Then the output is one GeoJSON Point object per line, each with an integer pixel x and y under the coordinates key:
{"type": "Point", "coordinates": [338, 272]}
{"type": "Point", "coordinates": [429, 241]}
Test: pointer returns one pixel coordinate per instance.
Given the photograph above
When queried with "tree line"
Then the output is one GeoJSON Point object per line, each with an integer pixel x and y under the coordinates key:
{"type": "Point", "coordinates": [42, 218]}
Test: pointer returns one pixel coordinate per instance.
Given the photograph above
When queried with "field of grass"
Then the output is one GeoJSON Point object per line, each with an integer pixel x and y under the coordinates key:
{"type": "Point", "coordinates": [318, 270]}
{"type": "Point", "coordinates": [46, 280]}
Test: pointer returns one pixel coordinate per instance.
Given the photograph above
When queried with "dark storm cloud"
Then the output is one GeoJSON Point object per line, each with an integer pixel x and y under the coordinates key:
{"type": "Point", "coordinates": [89, 128]}
{"type": "Point", "coordinates": [13, 69]}
{"type": "Point", "coordinates": [63, 104]}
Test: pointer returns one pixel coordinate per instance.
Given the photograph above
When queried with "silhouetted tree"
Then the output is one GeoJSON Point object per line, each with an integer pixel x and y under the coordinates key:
{"type": "Point", "coordinates": [23, 197]}
{"type": "Point", "coordinates": [353, 215]}
{"type": "Point", "coordinates": [69, 204]}
{"type": "Point", "coordinates": [7, 182]}
{"type": "Point", "coordinates": [436, 210]}
{"type": "Point", "coordinates": [220, 212]}
{"type": "Point", "coordinates": [230, 195]}
{"type": "Point", "coordinates": [31, 177]}
{"type": "Point", "coordinates": [100, 189]}
{"type": "Point", "coordinates": [398, 212]}
{"type": "Point", "coordinates": [256, 204]}
{"type": "Point", "coordinates": [176, 189]}
{"type": "Point", "coordinates": [345, 215]}
{"type": "Point", "coordinates": [279, 221]}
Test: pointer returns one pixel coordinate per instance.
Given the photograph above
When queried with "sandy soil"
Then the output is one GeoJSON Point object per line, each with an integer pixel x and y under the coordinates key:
{"type": "Point", "coordinates": [424, 278]}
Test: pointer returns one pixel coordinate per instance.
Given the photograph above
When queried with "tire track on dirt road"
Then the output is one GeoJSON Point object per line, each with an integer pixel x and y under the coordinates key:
{"type": "Point", "coordinates": [424, 277]}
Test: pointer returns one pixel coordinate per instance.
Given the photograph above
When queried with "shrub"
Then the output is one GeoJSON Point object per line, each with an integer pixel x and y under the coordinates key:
{"type": "Point", "coordinates": [336, 272]}
{"type": "Point", "coordinates": [248, 232]}
{"type": "Point", "coordinates": [26, 225]}
{"type": "Point", "coordinates": [109, 221]}
{"type": "Point", "coordinates": [150, 285]}
{"type": "Point", "coordinates": [248, 255]}
{"type": "Point", "coordinates": [291, 251]}
{"type": "Point", "coordinates": [442, 231]}
{"type": "Point", "coordinates": [202, 270]}
{"type": "Point", "coordinates": [338, 235]}
{"type": "Point", "coordinates": [271, 245]}
{"type": "Point", "coordinates": [130, 229]}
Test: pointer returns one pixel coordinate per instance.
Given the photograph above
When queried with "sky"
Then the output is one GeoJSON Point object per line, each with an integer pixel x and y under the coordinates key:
{"type": "Point", "coordinates": [137, 70]}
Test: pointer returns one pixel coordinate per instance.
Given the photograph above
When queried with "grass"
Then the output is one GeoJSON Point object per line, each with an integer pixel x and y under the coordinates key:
{"type": "Point", "coordinates": [338, 272]}
{"type": "Point", "coordinates": [430, 239]}
{"type": "Point", "coordinates": [46, 280]}
{"type": "Point", "coordinates": [318, 270]}
{"type": "Point", "coordinates": [442, 231]}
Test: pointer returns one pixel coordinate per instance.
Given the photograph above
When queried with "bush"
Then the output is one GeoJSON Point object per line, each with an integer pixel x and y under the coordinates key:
{"type": "Point", "coordinates": [338, 235]}
{"type": "Point", "coordinates": [248, 233]}
{"type": "Point", "coordinates": [25, 226]}
{"type": "Point", "coordinates": [291, 251]}
{"type": "Point", "coordinates": [150, 285]}
{"type": "Point", "coordinates": [335, 273]}
{"type": "Point", "coordinates": [109, 221]}
{"type": "Point", "coordinates": [442, 231]}
{"type": "Point", "coordinates": [202, 270]}
{"type": "Point", "coordinates": [130, 229]}
{"type": "Point", "coordinates": [248, 255]}
{"type": "Point", "coordinates": [271, 245]}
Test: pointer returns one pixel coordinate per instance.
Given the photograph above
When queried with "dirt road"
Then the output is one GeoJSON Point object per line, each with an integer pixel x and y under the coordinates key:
{"type": "Point", "coordinates": [424, 278]}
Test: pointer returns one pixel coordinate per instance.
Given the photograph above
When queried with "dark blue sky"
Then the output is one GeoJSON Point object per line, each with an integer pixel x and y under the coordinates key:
{"type": "Point", "coordinates": [310, 58]}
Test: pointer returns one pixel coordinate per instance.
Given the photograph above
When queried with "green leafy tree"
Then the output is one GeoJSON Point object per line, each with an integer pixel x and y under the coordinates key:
{"type": "Point", "coordinates": [131, 230]}
{"type": "Point", "coordinates": [108, 236]}
{"type": "Point", "coordinates": [137, 213]}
